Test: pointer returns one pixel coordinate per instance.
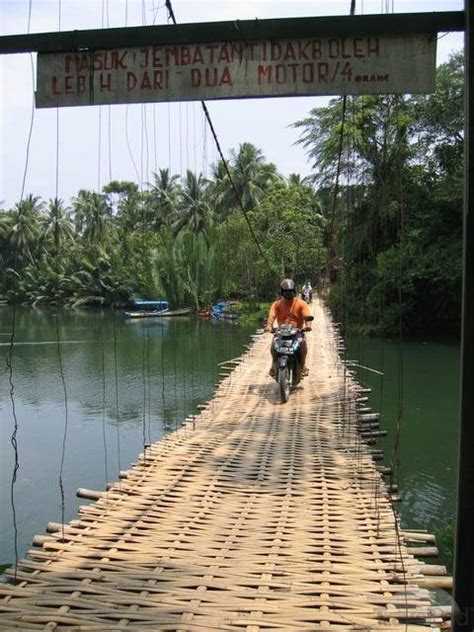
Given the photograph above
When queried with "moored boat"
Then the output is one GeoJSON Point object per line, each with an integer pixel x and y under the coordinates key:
{"type": "Point", "coordinates": [225, 310]}
{"type": "Point", "coordinates": [147, 309]}
{"type": "Point", "coordinates": [184, 311]}
{"type": "Point", "coordinates": [155, 309]}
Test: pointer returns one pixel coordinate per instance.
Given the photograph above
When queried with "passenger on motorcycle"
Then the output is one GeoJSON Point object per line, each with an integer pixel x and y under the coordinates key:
{"type": "Point", "coordinates": [289, 310]}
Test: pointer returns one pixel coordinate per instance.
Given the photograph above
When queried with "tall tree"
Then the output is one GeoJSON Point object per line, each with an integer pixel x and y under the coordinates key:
{"type": "Point", "coordinates": [165, 192]}
{"type": "Point", "coordinates": [57, 226]}
{"type": "Point", "coordinates": [23, 227]}
{"type": "Point", "coordinates": [193, 212]}
{"type": "Point", "coordinates": [395, 223]}
{"type": "Point", "coordinates": [440, 120]}
{"type": "Point", "coordinates": [92, 216]}
{"type": "Point", "coordinates": [371, 159]}
{"type": "Point", "coordinates": [251, 177]}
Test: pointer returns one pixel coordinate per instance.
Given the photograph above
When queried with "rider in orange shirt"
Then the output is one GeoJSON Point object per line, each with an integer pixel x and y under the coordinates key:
{"type": "Point", "coordinates": [290, 310]}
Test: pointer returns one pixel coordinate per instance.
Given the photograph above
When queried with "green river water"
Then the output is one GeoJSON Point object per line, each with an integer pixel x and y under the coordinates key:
{"type": "Point", "coordinates": [110, 385]}
{"type": "Point", "coordinates": [418, 394]}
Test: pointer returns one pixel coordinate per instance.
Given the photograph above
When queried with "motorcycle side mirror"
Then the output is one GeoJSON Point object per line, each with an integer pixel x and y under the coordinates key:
{"type": "Point", "coordinates": [308, 318]}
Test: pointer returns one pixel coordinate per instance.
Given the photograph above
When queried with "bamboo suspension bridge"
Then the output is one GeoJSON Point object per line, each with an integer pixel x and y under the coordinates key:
{"type": "Point", "coordinates": [253, 516]}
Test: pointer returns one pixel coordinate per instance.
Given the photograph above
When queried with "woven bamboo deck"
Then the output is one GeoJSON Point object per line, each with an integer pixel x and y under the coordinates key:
{"type": "Point", "coordinates": [258, 516]}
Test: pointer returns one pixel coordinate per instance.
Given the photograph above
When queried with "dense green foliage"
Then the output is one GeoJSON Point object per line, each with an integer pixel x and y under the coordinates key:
{"type": "Point", "coordinates": [395, 236]}
{"type": "Point", "coordinates": [184, 239]}
{"type": "Point", "coordinates": [389, 238]}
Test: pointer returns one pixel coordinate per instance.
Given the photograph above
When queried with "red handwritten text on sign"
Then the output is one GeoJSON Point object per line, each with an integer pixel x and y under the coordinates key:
{"type": "Point", "coordinates": [220, 70]}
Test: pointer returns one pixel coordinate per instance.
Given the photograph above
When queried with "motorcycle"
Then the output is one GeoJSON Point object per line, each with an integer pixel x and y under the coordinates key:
{"type": "Point", "coordinates": [287, 349]}
{"type": "Point", "coordinates": [307, 296]}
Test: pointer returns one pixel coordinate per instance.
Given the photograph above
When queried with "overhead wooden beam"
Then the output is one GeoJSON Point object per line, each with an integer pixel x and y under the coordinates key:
{"type": "Point", "coordinates": [237, 30]}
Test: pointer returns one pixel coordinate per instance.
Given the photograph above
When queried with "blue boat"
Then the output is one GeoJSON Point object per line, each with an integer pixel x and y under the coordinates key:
{"type": "Point", "coordinates": [225, 310]}
{"type": "Point", "coordinates": [147, 309]}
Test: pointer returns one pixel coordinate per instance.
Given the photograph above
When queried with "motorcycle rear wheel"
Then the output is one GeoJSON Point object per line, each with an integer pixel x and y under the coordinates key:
{"type": "Point", "coordinates": [284, 382]}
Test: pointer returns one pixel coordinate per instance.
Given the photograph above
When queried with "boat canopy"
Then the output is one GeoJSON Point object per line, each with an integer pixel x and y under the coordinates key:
{"type": "Point", "coordinates": [223, 306]}
{"type": "Point", "coordinates": [140, 303]}
{"type": "Point", "coordinates": [220, 306]}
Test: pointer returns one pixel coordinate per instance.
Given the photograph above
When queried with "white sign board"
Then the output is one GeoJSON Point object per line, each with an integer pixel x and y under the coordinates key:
{"type": "Point", "coordinates": [228, 70]}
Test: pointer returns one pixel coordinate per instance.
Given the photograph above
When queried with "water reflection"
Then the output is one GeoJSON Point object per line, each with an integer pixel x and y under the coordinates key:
{"type": "Point", "coordinates": [421, 380]}
{"type": "Point", "coordinates": [126, 384]}
{"type": "Point", "coordinates": [425, 499]}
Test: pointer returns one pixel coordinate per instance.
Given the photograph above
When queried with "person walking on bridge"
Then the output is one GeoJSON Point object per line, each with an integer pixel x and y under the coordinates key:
{"type": "Point", "coordinates": [307, 292]}
{"type": "Point", "coordinates": [290, 310]}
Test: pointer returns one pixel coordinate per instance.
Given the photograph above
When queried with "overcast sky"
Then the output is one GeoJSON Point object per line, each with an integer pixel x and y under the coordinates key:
{"type": "Point", "coordinates": [100, 143]}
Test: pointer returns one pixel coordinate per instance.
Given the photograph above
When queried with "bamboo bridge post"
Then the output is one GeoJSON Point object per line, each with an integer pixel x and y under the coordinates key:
{"type": "Point", "coordinates": [463, 592]}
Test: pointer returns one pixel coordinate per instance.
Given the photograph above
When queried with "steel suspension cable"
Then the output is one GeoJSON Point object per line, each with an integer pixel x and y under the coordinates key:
{"type": "Point", "coordinates": [13, 437]}
{"type": "Point", "coordinates": [184, 386]}
{"type": "Point", "coordinates": [142, 144]}
{"type": "Point", "coordinates": [145, 229]}
{"type": "Point", "coordinates": [194, 137]}
{"type": "Point", "coordinates": [155, 157]}
{"type": "Point", "coordinates": [227, 170]}
{"type": "Point", "coordinates": [331, 247]}
{"type": "Point", "coordinates": [162, 368]}
{"type": "Point", "coordinates": [109, 111]}
{"type": "Point", "coordinates": [129, 148]}
{"type": "Point", "coordinates": [144, 149]}
{"type": "Point", "coordinates": [99, 149]}
{"type": "Point", "coordinates": [145, 342]}
{"type": "Point", "coordinates": [58, 336]}
{"type": "Point", "coordinates": [105, 12]}
{"type": "Point", "coordinates": [344, 280]}
{"type": "Point", "coordinates": [187, 134]}
{"type": "Point", "coordinates": [149, 392]}
{"type": "Point", "coordinates": [104, 400]}
{"type": "Point", "coordinates": [57, 118]}
{"type": "Point", "coordinates": [127, 138]}
{"type": "Point", "coordinates": [109, 107]}
{"type": "Point", "coordinates": [11, 346]}
{"type": "Point", "coordinates": [32, 118]}
{"type": "Point", "coordinates": [180, 131]}
{"type": "Point", "coordinates": [395, 464]}
{"type": "Point", "coordinates": [204, 146]}
{"type": "Point", "coordinates": [117, 406]}
{"type": "Point", "coordinates": [66, 422]}
{"type": "Point", "coordinates": [395, 457]}
{"type": "Point", "coordinates": [330, 252]}
{"type": "Point", "coordinates": [175, 385]}
{"type": "Point", "coordinates": [169, 137]}
{"type": "Point", "coordinates": [192, 370]}
{"type": "Point", "coordinates": [237, 194]}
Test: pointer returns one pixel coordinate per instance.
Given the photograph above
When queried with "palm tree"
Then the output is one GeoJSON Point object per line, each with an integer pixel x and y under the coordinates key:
{"type": "Point", "coordinates": [193, 211]}
{"type": "Point", "coordinates": [117, 191]}
{"type": "Point", "coordinates": [165, 194]}
{"type": "Point", "coordinates": [23, 227]}
{"type": "Point", "coordinates": [79, 208]}
{"type": "Point", "coordinates": [92, 215]}
{"type": "Point", "coordinates": [220, 191]}
{"type": "Point", "coordinates": [251, 177]}
{"type": "Point", "coordinates": [195, 258]}
{"type": "Point", "coordinates": [295, 179]}
{"type": "Point", "coordinates": [251, 174]}
{"type": "Point", "coordinates": [57, 225]}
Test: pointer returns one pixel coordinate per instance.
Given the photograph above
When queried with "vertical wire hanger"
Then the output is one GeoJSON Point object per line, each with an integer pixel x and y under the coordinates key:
{"type": "Point", "coordinates": [58, 337]}
{"type": "Point", "coordinates": [11, 346]}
